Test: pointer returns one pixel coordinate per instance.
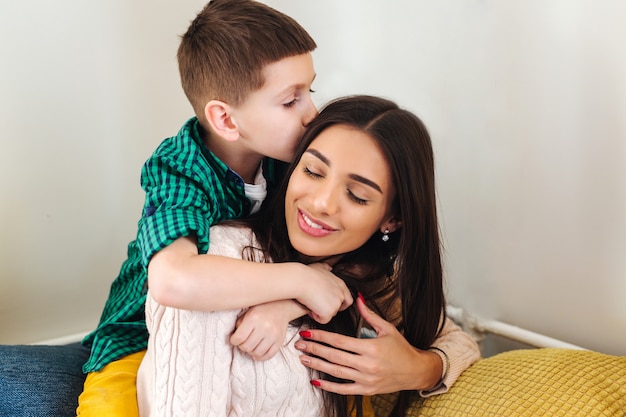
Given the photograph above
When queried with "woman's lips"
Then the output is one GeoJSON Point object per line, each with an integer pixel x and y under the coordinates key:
{"type": "Point", "coordinates": [313, 227]}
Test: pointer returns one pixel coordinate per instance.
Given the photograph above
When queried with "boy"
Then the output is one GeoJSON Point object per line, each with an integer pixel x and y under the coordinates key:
{"type": "Point", "coordinates": [247, 71]}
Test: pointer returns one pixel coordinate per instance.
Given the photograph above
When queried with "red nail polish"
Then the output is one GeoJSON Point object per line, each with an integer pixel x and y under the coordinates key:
{"type": "Point", "coordinates": [316, 383]}
{"type": "Point", "coordinates": [361, 298]}
{"type": "Point", "coordinates": [306, 334]}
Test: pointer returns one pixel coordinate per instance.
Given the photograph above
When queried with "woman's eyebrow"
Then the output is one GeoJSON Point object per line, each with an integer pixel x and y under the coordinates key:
{"type": "Point", "coordinates": [318, 155]}
{"type": "Point", "coordinates": [365, 181]}
{"type": "Point", "coordinates": [355, 177]}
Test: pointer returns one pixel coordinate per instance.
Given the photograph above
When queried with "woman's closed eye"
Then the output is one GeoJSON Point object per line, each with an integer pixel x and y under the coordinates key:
{"type": "Point", "coordinates": [351, 195]}
{"type": "Point", "coordinates": [308, 171]}
{"type": "Point", "coordinates": [356, 199]}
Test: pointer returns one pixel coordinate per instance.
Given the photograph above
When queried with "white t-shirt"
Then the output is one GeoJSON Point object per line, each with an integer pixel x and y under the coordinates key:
{"type": "Point", "coordinates": [256, 192]}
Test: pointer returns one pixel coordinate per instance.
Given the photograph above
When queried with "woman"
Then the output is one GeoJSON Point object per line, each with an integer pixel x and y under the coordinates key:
{"type": "Point", "coordinates": [359, 198]}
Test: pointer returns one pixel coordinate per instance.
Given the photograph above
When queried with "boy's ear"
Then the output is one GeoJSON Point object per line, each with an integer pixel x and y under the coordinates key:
{"type": "Point", "coordinates": [218, 114]}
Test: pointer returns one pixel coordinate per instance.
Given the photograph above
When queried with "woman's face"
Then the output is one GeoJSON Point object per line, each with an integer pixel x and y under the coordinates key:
{"type": "Point", "coordinates": [339, 194]}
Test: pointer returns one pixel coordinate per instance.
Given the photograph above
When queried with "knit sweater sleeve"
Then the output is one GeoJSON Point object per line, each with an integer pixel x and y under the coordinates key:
{"type": "Point", "coordinates": [230, 241]}
{"type": "Point", "coordinates": [462, 351]}
{"type": "Point", "coordinates": [191, 369]}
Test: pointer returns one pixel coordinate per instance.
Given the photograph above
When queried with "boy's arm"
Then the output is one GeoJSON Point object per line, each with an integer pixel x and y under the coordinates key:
{"type": "Point", "coordinates": [180, 277]}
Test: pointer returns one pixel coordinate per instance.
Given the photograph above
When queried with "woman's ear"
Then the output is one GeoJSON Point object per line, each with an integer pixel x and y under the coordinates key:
{"type": "Point", "coordinates": [392, 225]}
{"type": "Point", "coordinates": [218, 114]}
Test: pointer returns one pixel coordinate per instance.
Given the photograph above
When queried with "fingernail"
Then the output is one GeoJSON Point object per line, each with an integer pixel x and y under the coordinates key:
{"type": "Point", "coordinates": [299, 346]}
{"type": "Point", "coordinates": [305, 360]}
{"type": "Point", "coordinates": [306, 334]}
{"type": "Point", "coordinates": [316, 383]}
{"type": "Point", "coordinates": [361, 298]}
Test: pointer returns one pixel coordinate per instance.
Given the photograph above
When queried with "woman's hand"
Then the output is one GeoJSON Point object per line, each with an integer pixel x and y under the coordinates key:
{"type": "Point", "coordinates": [387, 363]}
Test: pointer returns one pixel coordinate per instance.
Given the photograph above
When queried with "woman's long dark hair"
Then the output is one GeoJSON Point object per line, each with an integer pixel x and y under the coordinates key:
{"type": "Point", "coordinates": [407, 267]}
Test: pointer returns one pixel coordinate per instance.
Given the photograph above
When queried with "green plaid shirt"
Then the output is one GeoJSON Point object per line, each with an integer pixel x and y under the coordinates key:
{"type": "Point", "coordinates": [187, 191]}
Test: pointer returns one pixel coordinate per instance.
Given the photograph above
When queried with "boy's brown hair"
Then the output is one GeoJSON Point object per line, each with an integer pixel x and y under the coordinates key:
{"type": "Point", "coordinates": [223, 53]}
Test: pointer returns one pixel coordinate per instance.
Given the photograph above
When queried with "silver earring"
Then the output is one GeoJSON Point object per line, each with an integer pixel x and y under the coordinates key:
{"type": "Point", "coordinates": [385, 237]}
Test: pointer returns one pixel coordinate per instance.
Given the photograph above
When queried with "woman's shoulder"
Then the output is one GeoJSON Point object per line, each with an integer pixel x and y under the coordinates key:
{"type": "Point", "coordinates": [230, 240]}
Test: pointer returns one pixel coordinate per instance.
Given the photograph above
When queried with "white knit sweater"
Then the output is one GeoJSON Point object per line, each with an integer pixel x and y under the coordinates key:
{"type": "Point", "coordinates": [190, 368]}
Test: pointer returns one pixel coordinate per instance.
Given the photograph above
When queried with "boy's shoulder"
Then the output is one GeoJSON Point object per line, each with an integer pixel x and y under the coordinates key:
{"type": "Point", "coordinates": [187, 141]}
{"type": "Point", "coordinates": [185, 153]}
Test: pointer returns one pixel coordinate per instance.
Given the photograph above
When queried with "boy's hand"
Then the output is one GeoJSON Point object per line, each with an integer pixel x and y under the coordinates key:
{"type": "Point", "coordinates": [260, 331]}
{"type": "Point", "coordinates": [324, 293]}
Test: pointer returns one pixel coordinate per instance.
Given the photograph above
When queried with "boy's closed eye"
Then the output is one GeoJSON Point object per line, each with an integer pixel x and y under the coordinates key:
{"type": "Point", "coordinates": [291, 103]}
{"type": "Point", "coordinates": [297, 98]}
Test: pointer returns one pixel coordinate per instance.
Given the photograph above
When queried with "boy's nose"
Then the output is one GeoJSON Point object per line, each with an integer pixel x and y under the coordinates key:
{"type": "Point", "coordinates": [310, 113]}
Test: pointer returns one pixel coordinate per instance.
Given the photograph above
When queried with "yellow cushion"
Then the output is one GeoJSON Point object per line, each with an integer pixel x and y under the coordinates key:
{"type": "Point", "coordinates": [530, 382]}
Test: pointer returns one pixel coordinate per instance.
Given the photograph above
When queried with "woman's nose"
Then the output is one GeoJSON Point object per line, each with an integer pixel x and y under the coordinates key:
{"type": "Point", "coordinates": [325, 200]}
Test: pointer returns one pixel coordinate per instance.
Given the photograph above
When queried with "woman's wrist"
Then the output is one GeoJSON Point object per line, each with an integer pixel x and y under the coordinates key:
{"type": "Point", "coordinates": [431, 370]}
{"type": "Point", "coordinates": [445, 366]}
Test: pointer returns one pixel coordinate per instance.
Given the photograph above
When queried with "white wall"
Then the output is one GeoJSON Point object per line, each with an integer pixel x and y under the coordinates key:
{"type": "Point", "coordinates": [526, 103]}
